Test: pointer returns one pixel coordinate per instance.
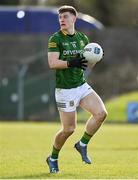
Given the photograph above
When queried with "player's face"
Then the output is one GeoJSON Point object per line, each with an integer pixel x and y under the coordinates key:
{"type": "Point", "coordinates": [66, 20]}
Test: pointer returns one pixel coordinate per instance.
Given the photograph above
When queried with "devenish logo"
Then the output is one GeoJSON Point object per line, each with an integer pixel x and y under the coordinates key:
{"type": "Point", "coordinates": [72, 52]}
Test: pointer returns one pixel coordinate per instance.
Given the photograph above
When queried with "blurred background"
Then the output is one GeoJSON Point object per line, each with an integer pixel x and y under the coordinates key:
{"type": "Point", "coordinates": [26, 82]}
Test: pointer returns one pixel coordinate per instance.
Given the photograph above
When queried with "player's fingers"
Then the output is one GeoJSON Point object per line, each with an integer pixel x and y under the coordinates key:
{"type": "Point", "coordinates": [103, 54]}
{"type": "Point", "coordinates": [84, 68]}
{"type": "Point", "coordinates": [84, 61]}
{"type": "Point", "coordinates": [83, 58]}
{"type": "Point", "coordinates": [84, 65]}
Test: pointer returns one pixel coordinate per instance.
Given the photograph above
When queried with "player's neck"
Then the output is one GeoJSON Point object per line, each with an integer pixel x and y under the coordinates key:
{"type": "Point", "coordinates": [70, 31]}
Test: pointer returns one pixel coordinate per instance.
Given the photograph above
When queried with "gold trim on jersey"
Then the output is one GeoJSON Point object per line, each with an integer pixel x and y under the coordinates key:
{"type": "Point", "coordinates": [64, 32]}
{"type": "Point", "coordinates": [52, 45]}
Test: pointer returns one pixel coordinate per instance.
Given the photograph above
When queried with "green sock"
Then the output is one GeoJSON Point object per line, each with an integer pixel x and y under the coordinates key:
{"type": "Point", "coordinates": [55, 153]}
{"type": "Point", "coordinates": [85, 138]}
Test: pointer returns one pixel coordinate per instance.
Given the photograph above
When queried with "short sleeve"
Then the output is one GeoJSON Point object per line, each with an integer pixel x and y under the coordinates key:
{"type": "Point", "coordinates": [86, 39]}
{"type": "Point", "coordinates": [53, 44]}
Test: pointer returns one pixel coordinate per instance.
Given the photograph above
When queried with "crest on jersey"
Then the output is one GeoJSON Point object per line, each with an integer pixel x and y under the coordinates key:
{"type": "Point", "coordinates": [71, 103]}
{"type": "Point", "coordinates": [73, 44]}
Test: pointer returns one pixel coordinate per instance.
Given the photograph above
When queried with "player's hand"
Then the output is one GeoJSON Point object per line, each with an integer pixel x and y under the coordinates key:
{"type": "Point", "coordinates": [78, 63]}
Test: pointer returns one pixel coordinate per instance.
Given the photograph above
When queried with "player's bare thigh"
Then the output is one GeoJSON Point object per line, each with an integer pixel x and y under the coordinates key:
{"type": "Point", "coordinates": [93, 103]}
{"type": "Point", "coordinates": [68, 120]}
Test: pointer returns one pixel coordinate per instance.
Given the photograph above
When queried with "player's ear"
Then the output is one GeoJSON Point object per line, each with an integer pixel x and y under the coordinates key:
{"type": "Point", "coordinates": [74, 19]}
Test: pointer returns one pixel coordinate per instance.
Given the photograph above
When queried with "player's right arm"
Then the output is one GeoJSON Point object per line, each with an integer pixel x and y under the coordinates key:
{"type": "Point", "coordinates": [54, 54]}
{"type": "Point", "coordinates": [54, 61]}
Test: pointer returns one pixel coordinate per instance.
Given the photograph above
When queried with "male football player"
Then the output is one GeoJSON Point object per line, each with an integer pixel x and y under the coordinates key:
{"type": "Point", "coordinates": [65, 50]}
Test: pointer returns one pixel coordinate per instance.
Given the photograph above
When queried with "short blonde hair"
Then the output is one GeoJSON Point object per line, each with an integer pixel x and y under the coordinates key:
{"type": "Point", "coordinates": [66, 8]}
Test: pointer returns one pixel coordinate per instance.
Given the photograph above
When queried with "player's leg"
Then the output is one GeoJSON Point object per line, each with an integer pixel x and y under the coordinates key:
{"type": "Point", "coordinates": [68, 122]}
{"type": "Point", "coordinates": [95, 106]}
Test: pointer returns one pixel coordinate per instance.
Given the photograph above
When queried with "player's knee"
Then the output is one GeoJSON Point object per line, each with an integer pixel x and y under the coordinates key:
{"type": "Point", "coordinates": [69, 131]}
{"type": "Point", "coordinates": [101, 116]}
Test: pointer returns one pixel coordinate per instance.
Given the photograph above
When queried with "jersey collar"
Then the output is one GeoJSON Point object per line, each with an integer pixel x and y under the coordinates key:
{"type": "Point", "coordinates": [65, 33]}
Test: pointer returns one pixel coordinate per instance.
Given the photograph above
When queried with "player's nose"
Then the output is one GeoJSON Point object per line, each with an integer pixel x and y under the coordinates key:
{"type": "Point", "coordinates": [62, 19]}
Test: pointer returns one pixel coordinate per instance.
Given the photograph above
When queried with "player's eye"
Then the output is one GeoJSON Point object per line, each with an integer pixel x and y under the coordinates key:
{"type": "Point", "coordinates": [65, 16]}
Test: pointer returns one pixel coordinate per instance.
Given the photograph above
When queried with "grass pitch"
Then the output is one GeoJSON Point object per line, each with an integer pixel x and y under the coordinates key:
{"type": "Point", "coordinates": [24, 147]}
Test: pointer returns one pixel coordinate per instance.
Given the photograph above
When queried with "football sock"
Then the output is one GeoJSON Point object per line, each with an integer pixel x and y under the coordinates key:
{"type": "Point", "coordinates": [82, 144]}
{"type": "Point", "coordinates": [85, 139]}
{"type": "Point", "coordinates": [54, 155]}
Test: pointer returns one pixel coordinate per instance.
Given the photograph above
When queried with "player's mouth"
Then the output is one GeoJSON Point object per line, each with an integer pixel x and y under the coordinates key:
{"type": "Point", "coordinates": [62, 24]}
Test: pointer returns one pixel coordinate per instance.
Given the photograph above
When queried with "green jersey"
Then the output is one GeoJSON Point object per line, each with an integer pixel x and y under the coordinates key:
{"type": "Point", "coordinates": [68, 46]}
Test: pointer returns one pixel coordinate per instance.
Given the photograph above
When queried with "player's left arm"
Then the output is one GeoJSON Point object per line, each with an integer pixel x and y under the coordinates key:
{"type": "Point", "coordinates": [86, 42]}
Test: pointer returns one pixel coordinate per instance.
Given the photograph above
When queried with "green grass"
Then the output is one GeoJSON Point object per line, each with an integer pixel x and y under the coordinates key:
{"type": "Point", "coordinates": [116, 107]}
{"type": "Point", "coordinates": [24, 147]}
